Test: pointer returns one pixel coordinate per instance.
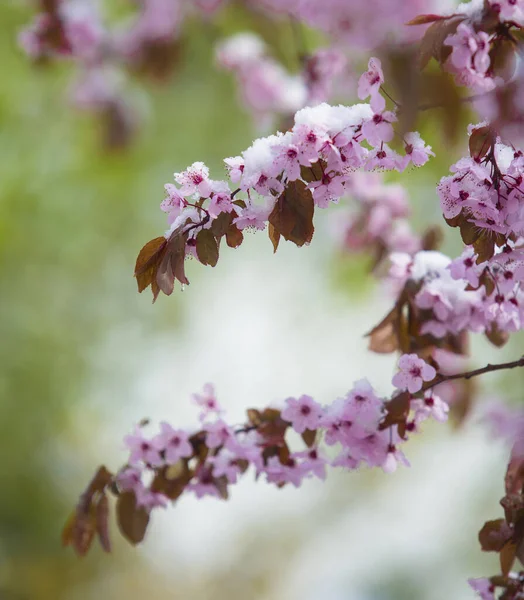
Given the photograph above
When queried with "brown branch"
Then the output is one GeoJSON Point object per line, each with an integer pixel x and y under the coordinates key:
{"type": "Point", "coordinates": [470, 374]}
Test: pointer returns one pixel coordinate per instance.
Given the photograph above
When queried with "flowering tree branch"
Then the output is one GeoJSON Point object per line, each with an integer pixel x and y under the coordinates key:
{"type": "Point", "coordinates": [327, 153]}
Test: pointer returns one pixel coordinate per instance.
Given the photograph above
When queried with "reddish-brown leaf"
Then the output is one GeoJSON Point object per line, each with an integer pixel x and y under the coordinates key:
{"type": "Point", "coordinates": [314, 172]}
{"type": "Point", "coordinates": [309, 436]}
{"type": "Point", "coordinates": [102, 522]}
{"type": "Point", "coordinates": [507, 558]}
{"type": "Point", "coordinates": [221, 224]}
{"type": "Point", "coordinates": [432, 44]}
{"type": "Point", "coordinates": [274, 236]}
{"type": "Point", "coordinates": [469, 232]}
{"type": "Point", "coordinates": [494, 535]}
{"type": "Point", "coordinates": [484, 246]}
{"type": "Point", "coordinates": [234, 237]}
{"type": "Point", "coordinates": [496, 336]}
{"type": "Point", "coordinates": [207, 248]}
{"type": "Point", "coordinates": [432, 238]}
{"type": "Point", "coordinates": [292, 215]}
{"type": "Point", "coordinates": [480, 142]}
{"type": "Point", "coordinates": [383, 337]}
{"type": "Point", "coordinates": [172, 264]}
{"type": "Point", "coordinates": [424, 19]}
{"type": "Point", "coordinates": [132, 519]}
{"type": "Point", "coordinates": [147, 262]}
{"type": "Point", "coordinates": [397, 412]}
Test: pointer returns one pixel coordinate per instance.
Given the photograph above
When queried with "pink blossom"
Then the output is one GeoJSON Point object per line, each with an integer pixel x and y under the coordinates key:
{"type": "Point", "coordinates": [226, 464]}
{"type": "Point", "coordinates": [278, 473]}
{"type": "Point", "coordinates": [150, 500]}
{"type": "Point", "coordinates": [313, 462]}
{"type": "Point", "coordinates": [130, 478]}
{"type": "Point", "coordinates": [174, 443]}
{"type": "Point", "coordinates": [484, 588]}
{"type": "Point", "coordinates": [430, 406]}
{"type": "Point", "coordinates": [142, 449]}
{"type": "Point", "coordinates": [414, 371]}
{"type": "Point", "coordinates": [379, 128]}
{"type": "Point", "coordinates": [253, 217]}
{"type": "Point", "coordinates": [303, 413]}
{"type": "Point", "coordinates": [208, 402]}
{"type": "Point", "coordinates": [194, 181]}
{"type": "Point", "coordinates": [217, 433]}
{"type": "Point", "coordinates": [370, 82]}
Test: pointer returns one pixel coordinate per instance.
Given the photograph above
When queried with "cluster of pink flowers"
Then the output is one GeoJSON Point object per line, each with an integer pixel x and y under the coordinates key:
{"type": "Point", "coordinates": [267, 89]}
{"type": "Point", "coordinates": [487, 192]}
{"type": "Point", "coordinates": [350, 426]}
{"type": "Point", "coordinates": [103, 52]}
{"type": "Point", "coordinates": [378, 222]}
{"type": "Point", "coordinates": [469, 59]}
{"type": "Point", "coordinates": [335, 140]}
{"type": "Point", "coordinates": [353, 22]}
{"type": "Point", "coordinates": [509, 10]}
{"type": "Point", "coordinates": [463, 295]}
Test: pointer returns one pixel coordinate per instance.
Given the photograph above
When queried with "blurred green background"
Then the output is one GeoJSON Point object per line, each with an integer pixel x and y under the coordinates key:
{"type": "Point", "coordinates": [72, 220]}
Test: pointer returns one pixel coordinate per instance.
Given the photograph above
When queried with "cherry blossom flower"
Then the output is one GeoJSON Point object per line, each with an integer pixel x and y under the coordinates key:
{"type": "Point", "coordinates": [413, 373]}
{"type": "Point", "coordinates": [303, 413]}
{"type": "Point", "coordinates": [484, 588]}
{"type": "Point", "coordinates": [208, 402]}
{"type": "Point", "coordinates": [142, 449]}
{"type": "Point", "coordinates": [174, 443]}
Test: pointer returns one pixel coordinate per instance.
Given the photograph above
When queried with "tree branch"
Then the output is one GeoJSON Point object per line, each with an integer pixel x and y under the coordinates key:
{"type": "Point", "coordinates": [470, 374]}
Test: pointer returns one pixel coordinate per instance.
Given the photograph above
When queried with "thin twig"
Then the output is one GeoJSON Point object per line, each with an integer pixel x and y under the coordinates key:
{"type": "Point", "coordinates": [470, 374]}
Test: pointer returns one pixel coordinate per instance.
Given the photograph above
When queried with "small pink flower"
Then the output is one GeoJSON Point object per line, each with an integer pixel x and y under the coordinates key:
{"type": "Point", "coordinates": [194, 180]}
{"type": "Point", "coordinates": [303, 413]}
{"type": "Point", "coordinates": [430, 406]}
{"type": "Point", "coordinates": [174, 442]}
{"type": "Point", "coordinates": [484, 588]}
{"type": "Point", "coordinates": [149, 500]}
{"type": "Point", "coordinates": [370, 81]}
{"type": "Point", "coordinates": [394, 458]}
{"type": "Point", "coordinates": [208, 402]}
{"type": "Point", "coordinates": [130, 478]}
{"type": "Point", "coordinates": [218, 433]}
{"type": "Point", "coordinates": [413, 372]}
{"type": "Point", "coordinates": [142, 449]}
{"type": "Point", "coordinates": [226, 463]}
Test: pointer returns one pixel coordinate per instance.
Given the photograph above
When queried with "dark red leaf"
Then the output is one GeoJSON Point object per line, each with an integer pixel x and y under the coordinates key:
{"type": "Point", "coordinates": [309, 436]}
{"type": "Point", "coordinates": [507, 558]}
{"type": "Point", "coordinates": [102, 522]}
{"type": "Point", "coordinates": [481, 141]}
{"type": "Point", "coordinates": [132, 520]}
{"type": "Point", "coordinates": [274, 236]}
{"type": "Point", "coordinates": [207, 248]}
{"type": "Point", "coordinates": [424, 19]}
{"type": "Point", "coordinates": [292, 215]}
{"type": "Point", "coordinates": [494, 535]}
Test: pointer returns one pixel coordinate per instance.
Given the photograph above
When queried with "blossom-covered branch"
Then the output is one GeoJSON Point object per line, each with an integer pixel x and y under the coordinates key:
{"type": "Point", "coordinates": [284, 177]}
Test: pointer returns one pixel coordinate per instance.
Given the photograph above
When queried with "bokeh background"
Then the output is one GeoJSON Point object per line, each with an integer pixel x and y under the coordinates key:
{"type": "Point", "coordinates": [83, 357]}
